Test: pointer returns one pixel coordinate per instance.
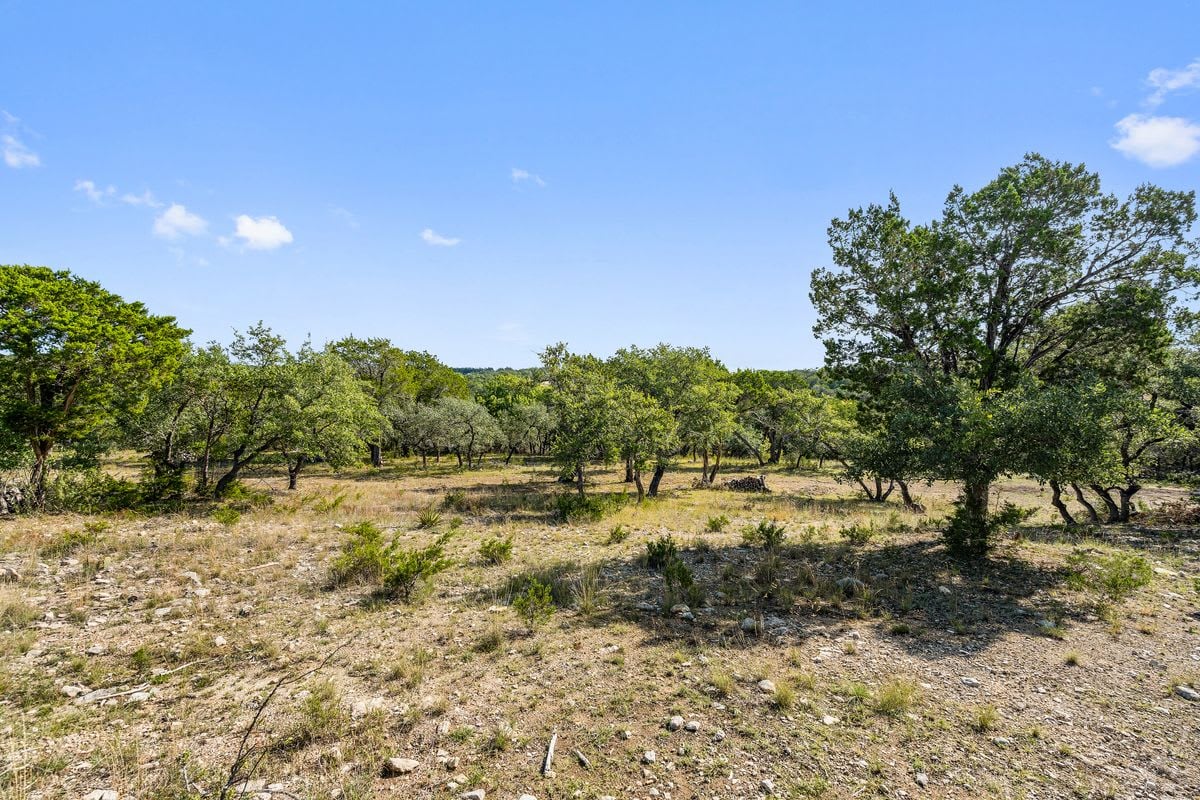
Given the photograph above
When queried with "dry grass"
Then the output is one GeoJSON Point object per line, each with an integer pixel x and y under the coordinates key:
{"type": "Point", "coordinates": [209, 613]}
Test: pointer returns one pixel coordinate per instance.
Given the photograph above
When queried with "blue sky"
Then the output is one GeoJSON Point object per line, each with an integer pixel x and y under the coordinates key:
{"type": "Point", "coordinates": [482, 179]}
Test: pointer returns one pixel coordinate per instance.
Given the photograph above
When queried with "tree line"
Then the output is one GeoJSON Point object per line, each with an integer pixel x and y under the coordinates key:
{"type": "Point", "coordinates": [1038, 327]}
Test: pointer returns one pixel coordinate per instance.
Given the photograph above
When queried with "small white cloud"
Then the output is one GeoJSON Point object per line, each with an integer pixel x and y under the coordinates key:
{"type": "Point", "coordinates": [437, 240]}
{"type": "Point", "coordinates": [1157, 141]}
{"type": "Point", "coordinates": [177, 221]}
{"type": "Point", "coordinates": [262, 233]}
{"type": "Point", "coordinates": [523, 175]}
{"type": "Point", "coordinates": [16, 154]}
{"type": "Point", "coordinates": [94, 192]}
{"type": "Point", "coordinates": [1165, 81]}
{"type": "Point", "coordinates": [344, 215]}
{"type": "Point", "coordinates": [146, 198]}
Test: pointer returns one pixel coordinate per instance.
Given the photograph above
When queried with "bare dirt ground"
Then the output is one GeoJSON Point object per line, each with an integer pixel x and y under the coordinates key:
{"type": "Point", "coordinates": [135, 651]}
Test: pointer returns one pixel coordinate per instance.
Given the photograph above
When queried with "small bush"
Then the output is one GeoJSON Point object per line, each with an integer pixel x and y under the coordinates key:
{"type": "Point", "coordinates": [226, 516]}
{"type": "Point", "coordinates": [496, 550]}
{"type": "Point", "coordinates": [68, 542]}
{"type": "Point", "coordinates": [768, 534]}
{"type": "Point", "coordinates": [661, 552]}
{"type": "Point", "coordinates": [363, 558]}
{"type": "Point", "coordinates": [16, 614]}
{"type": "Point", "coordinates": [716, 524]}
{"type": "Point", "coordinates": [681, 584]}
{"type": "Point", "coordinates": [589, 590]}
{"type": "Point", "coordinates": [456, 501]}
{"type": "Point", "coordinates": [535, 605]}
{"type": "Point", "coordinates": [428, 519]}
{"type": "Point", "coordinates": [784, 698]}
{"type": "Point", "coordinates": [405, 567]}
{"type": "Point", "coordinates": [587, 508]}
{"type": "Point", "coordinates": [858, 534]}
{"type": "Point", "coordinates": [723, 682]}
{"type": "Point", "coordinates": [618, 534]}
{"type": "Point", "coordinates": [1112, 577]}
{"type": "Point", "coordinates": [91, 492]}
{"type": "Point", "coordinates": [985, 717]}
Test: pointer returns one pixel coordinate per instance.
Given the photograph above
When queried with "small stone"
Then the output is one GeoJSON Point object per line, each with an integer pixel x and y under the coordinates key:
{"type": "Point", "coordinates": [675, 723]}
{"type": "Point", "coordinates": [191, 576]}
{"type": "Point", "coordinates": [101, 794]}
{"type": "Point", "coordinates": [719, 736]}
{"type": "Point", "coordinates": [526, 797]}
{"type": "Point", "coordinates": [767, 785]}
{"type": "Point", "coordinates": [73, 690]}
{"type": "Point", "coordinates": [364, 707]}
{"type": "Point", "coordinates": [220, 641]}
{"type": "Point", "coordinates": [400, 766]}
{"type": "Point", "coordinates": [766, 686]}
{"type": "Point", "coordinates": [944, 589]}
{"type": "Point", "coordinates": [680, 608]}
{"type": "Point", "coordinates": [138, 697]}
{"type": "Point", "coordinates": [970, 682]}
{"type": "Point", "coordinates": [9, 575]}
{"type": "Point", "coordinates": [627, 735]}
{"type": "Point", "coordinates": [1187, 693]}
{"type": "Point", "coordinates": [922, 779]}
{"type": "Point", "coordinates": [749, 625]}
{"type": "Point", "coordinates": [474, 794]}
{"type": "Point", "coordinates": [443, 727]}
{"type": "Point", "coordinates": [692, 726]}
{"type": "Point", "coordinates": [95, 650]}
{"type": "Point", "coordinates": [250, 787]}
{"type": "Point", "coordinates": [829, 720]}
{"type": "Point", "coordinates": [649, 757]}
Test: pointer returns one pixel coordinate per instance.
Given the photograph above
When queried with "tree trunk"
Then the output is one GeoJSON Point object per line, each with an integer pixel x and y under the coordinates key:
{"type": "Point", "coordinates": [659, 471]}
{"type": "Point", "coordinates": [579, 479]}
{"type": "Point", "coordinates": [376, 455]}
{"type": "Point", "coordinates": [40, 472]}
{"type": "Point", "coordinates": [228, 479]}
{"type": "Point", "coordinates": [294, 472]}
{"type": "Point", "coordinates": [909, 501]}
{"type": "Point", "coordinates": [704, 466]}
{"type": "Point", "coordinates": [1114, 511]}
{"type": "Point", "coordinates": [712, 476]}
{"type": "Point", "coordinates": [458, 453]}
{"type": "Point", "coordinates": [508, 457]}
{"type": "Point", "coordinates": [1056, 501]}
{"type": "Point", "coordinates": [1126, 493]}
{"type": "Point", "coordinates": [1091, 509]}
{"type": "Point", "coordinates": [629, 470]}
{"type": "Point", "coordinates": [637, 481]}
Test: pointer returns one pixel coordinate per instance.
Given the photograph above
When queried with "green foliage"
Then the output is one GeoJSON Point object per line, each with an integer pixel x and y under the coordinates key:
{"type": "Point", "coordinates": [716, 524]}
{"type": "Point", "coordinates": [226, 515]}
{"type": "Point", "coordinates": [456, 500]}
{"type": "Point", "coordinates": [406, 567]}
{"type": "Point", "coordinates": [363, 558]}
{"type": "Point", "coordinates": [965, 535]}
{"type": "Point", "coordinates": [68, 542]}
{"type": "Point", "coordinates": [681, 584]}
{"type": "Point", "coordinates": [767, 534]}
{"type": "Point", "coordinates": [617, 534]}
{"type": "Point", "coordinates": [661, 551]}
{"type": "Point", "coordinates": [1111, 576]}
{"type": "Point", "coordinates": [90, 492]}
{"type": "Point", "coordinates": [428, 519]}
{"type": "Point", "coordinates": [495, 550]}
{"type": "Point", "coordinates": [535, 604]}
{"type": "Point", "coordinates": [587, 508]}
{"type": "Point", "coordinates": [73, 359]}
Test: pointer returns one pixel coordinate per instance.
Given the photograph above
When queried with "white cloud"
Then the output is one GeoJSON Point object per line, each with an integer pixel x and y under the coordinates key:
{"type": "Point", "coordinates": [522, 175]}
{"type": "Point", "coordinates": [177, 221]}
{"type": "Point", "coordinates": [146, 198]}
{"type": "Point", "coordinates": [94, 192]}
{"type": "Point", "coordinates": [1165, 81]}
{"type": "Point", "coordinates": [263, 233]}
{"type": "Point", "coordinates": [1157, 141]}
{"type": "Point", "coordinates": [437, 240]}
{"type": "Point", "coordinates": [16, 154]}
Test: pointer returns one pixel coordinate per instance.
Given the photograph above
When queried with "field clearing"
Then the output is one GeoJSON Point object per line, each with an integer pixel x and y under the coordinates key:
{"type": "Point", "coordinates": [893, 671]}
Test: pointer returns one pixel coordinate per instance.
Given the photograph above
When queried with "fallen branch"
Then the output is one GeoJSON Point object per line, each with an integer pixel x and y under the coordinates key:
{"type": "Point", "coordinates": [549, 762]}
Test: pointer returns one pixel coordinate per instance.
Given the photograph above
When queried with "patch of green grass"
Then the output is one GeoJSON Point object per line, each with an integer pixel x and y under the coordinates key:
{"type": "Point", "coordinates": [895, 697]}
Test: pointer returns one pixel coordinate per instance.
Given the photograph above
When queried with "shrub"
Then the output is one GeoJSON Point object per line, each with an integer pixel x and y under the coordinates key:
{"type": "Point", "coordinates": [428, 519]}
{"type": "Point", "coordinates": [618, 534]}
{"type": "Point", "coordinates": [681, 584]}
{"type": "Point", "coordinates": [455, 500]}
{"type": "Point", "coordinates": [858, 534]}
{"type": "Point", "coordinates": [70, 541]}
{"type": "Point", "coordinates": [768, 534]}
{"type": "Point", "coordinates": [962, 533]}
{"type": "Point", "coordinates": [496, 550]}
{"type": "Point", "coordinates": [535, 604]}
{"type": "Point", "coordinates": [558, 576]}
{"type": "Point", "coordinates": [91, 492]}
{"type": "Point", "coordinates": [587, 508]}
{"type": "Point", "coordinates": [984, 718]}
{"type": "Point", "coordinates": [363, 558]}
{"type": "Point", "coordinates": [716, 524]}
{"type": "Point", "coordinates": [588, 590]}
{"type": "Point", "coordinates": [1113, 577]}
{"type": "Point", "coordinates": [406, 567]}
{"type": "Point", "coordinates": [660, 552]}
{"type": "Point", "coordinates": [226, 516]}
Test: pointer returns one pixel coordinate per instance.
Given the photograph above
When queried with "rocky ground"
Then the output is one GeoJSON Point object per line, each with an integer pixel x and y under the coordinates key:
{"type": "Point", "coordinates": [136, 652]}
